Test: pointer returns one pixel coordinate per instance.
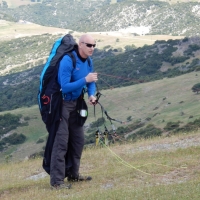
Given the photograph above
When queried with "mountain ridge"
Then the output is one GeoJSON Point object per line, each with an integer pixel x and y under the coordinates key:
{"type": "Point", "coordinates": [156, 17]}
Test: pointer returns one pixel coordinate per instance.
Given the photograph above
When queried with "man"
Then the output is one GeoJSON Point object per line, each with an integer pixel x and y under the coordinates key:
{"type": "Point", "coordinates": [69, 139]}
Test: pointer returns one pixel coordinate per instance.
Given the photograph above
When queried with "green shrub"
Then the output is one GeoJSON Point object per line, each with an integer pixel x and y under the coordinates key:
{"type": "Point", "coordinates": [196, 88]}
{"type": "Point", "coordinates": [191, 126]}
{"type": "Point", "coordinates": [97, 123]}
{"type": "Point", "coordinates": [171, 126]}
{"type": "Point", "coordinates": [9, 122]}
{"type": "Point", "coordinates": [40, 140]}
{"type": "Point", "coordinates": [147, 132]}
{"type": "Point", "coordinates": [15, 139]}
{"type": "Point", "coordinates": [26, 118]}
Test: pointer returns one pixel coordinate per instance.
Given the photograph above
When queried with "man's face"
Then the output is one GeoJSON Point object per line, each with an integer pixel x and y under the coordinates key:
{"type": "Point", "coordinates": [87, 47]}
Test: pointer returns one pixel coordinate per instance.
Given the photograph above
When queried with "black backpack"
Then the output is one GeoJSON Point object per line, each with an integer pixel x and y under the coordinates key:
{"type": "Point", "coordinates": [50, 94]}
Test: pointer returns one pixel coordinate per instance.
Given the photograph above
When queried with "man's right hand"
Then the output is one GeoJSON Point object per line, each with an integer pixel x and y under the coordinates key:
{"type": "Point", "coordinates": [91, 77]}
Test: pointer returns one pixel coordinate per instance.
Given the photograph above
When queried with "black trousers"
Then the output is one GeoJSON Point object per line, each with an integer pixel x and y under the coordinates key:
{"type": "Point", "coordinates": [69, 141]}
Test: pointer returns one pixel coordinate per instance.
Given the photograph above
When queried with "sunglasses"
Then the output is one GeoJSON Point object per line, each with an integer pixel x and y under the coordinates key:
{"type": "Point", "coordinates": [89, 45]}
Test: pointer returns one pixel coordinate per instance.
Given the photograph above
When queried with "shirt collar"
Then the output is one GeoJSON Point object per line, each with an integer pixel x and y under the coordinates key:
{"type": "Point", "coordinates": [78, 54]}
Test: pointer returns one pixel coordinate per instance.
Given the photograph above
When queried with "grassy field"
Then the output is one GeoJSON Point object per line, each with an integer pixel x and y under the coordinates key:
{"type": "Point", "coordinates": [151, 169]}
{"type": "Point", "coordinates": [11, 30]}
{"type": "Point", "coordinates": [129, 171]}
{"type": "Point", "coordinates": [142, 170]}
{"type": "Point", "coordinates": [167, 97]}
{"type": "Point", "coordinates": [140, 101]}
{"type": "Point", "coordinates": [33, 132]}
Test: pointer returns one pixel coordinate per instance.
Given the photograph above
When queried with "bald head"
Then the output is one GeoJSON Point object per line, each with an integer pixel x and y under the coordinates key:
{"type": "Point", "coordinates": [86, 45]}
{"type": "Point", "coordinates": [86, 38]}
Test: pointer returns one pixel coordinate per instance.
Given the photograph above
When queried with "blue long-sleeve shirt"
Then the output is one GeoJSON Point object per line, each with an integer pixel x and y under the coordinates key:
{"type": "Point", "coordinates": [72, 80]}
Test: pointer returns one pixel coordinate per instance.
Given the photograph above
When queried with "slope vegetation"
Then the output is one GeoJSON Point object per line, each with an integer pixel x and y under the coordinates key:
{"type": "Point", "coordinates": [157, 103]}
{"type": "Point", "coordinates": [136, 65]}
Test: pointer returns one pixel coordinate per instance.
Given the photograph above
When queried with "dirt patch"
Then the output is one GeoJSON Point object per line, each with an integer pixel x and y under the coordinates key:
{"type": "Point", "coordinates": [17, 3]}
{"type": "Point", "coordinates": [168, 145]}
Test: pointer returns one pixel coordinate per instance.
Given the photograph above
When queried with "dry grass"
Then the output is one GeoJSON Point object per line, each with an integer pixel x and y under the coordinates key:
{"type": "Point", "coordinates": [17, 3]}
{"type": "Point", "coordinates": [11, 30]}
{"type": "Point", "coordinates": [172, 174]}
{"type": "Point", "coordinates": [110, 38]}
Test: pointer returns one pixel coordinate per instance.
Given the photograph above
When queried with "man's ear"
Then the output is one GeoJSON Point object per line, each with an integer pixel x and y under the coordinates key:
{"type": "Point", "coordinates": [80, 44]}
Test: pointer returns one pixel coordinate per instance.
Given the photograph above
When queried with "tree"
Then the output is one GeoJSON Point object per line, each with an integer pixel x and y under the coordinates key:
{"type": "Point", "coordinates": [196, 88]}
{"type": "Point", "coordinates": [129, 118]}
{"type": "Point", "coordinates": [129, 47]}
{"type": "Point", "coordinates": [4, 4]}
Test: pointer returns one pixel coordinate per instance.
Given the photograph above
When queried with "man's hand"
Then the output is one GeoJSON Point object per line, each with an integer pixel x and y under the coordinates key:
{"type": "Point", "coordinates": [92, 100]}
{"type": "Point", "coordinates": [91, 77]}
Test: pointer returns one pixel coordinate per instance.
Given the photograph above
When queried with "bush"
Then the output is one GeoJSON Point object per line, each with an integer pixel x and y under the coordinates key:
{"type": "Point", "coordinates": [2, 145]}
{"type": "Point", "coordinates": [185, 39]}
{"type": "Point", "coordinates": [40, 141]}
{"type": "Point", "coordinates": [37, 155]}
{"type": "Point", "coordinates": [147, 132]}
{"type": "Point", "coordinates": [129, 47]}
{"type": "Point", "coordinates": [196, 88]}
{"type": "Point", "coordinates": [90, 138]}
{"type": "Point", "coordinates": [171, 126]}
{"type": "Point", "coordinates": [99, 122]}
{"type": "Point", "coordinates": [9, 122]}
{"type": "Point", "coordinates": [26, 118]}
{"type": "Point", "coordinates": [191, 126]}
{"type": "Point", "coordinates": [129, 118]}
{"type": "Point", "coordinates": [15, 139]}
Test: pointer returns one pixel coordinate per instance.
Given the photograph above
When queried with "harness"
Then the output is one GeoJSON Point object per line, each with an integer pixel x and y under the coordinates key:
{"type": "Point", "coordinates": [106, 137]}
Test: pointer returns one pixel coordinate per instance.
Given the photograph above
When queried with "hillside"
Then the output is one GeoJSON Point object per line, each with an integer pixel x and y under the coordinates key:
{"type": "Point", "coordinates": [116, 67]}
{"type": "Point", "coordinates": [26, 45]}
{"type": "Point", "coordinates": [152, 17]}
{"type": "Point", "coordinates": [162, 168]}
{"type": "Point", "coordinates": [17, 3]}
{"type": "Point", "coordinates": [135, 17]}
{"type": "Point", "coordinates": [157, 103]}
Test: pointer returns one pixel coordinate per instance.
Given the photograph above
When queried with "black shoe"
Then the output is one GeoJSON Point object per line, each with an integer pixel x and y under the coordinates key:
{"type": "Point", "coordinates": [61, 186]}
{"type": "Point", "coordinates": [79, 178]}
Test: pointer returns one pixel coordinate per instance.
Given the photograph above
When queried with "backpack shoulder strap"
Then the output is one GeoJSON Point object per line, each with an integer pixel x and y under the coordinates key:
{"type": "Point", "coordinates": [89, 61]}
{"type": "Point", "coordinates": [71, 55]}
